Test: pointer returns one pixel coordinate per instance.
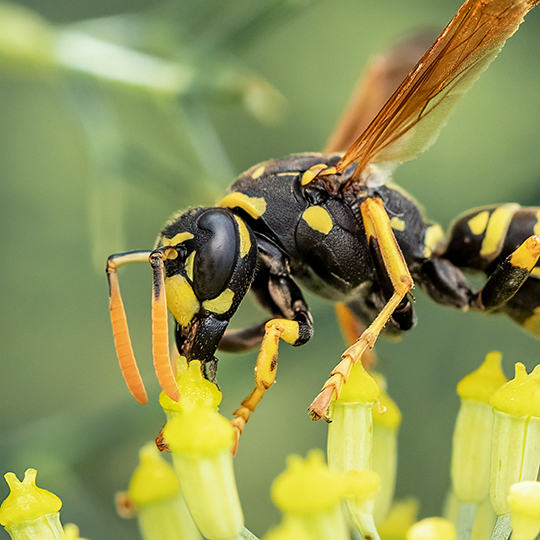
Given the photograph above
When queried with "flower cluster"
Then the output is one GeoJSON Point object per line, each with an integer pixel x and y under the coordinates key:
{"type": "Point", "coordinates": [495, 465]}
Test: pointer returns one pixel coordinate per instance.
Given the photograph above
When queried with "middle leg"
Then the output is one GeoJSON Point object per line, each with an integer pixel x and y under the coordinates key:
{"type": "Point", "coordinates": [382, 239]}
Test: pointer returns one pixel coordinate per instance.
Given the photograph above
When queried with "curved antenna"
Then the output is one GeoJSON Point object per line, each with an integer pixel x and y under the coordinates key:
{"type": "Point", "coordinates": [122, 340]}
{"type": "Point", "coordinates": [160, 326]}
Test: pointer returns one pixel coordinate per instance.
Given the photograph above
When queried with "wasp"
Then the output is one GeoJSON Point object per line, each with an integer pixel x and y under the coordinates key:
{"type": "Point", "coordinates": [335, 223]}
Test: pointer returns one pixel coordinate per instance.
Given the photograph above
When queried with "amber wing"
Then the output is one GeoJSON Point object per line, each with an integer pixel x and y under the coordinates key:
{"type": "Point", "coordinates": [411, 119]}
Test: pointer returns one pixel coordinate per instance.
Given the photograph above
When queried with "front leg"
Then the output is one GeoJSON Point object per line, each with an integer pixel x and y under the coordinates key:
{"type": "Point", "coordinates": [380, 235]}
{"type": "Point", "coordinates": [277, 291]}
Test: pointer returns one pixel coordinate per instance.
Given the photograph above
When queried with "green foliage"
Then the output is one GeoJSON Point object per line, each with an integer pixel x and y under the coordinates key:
{"type": "Point", "coordinates": [111, 120]}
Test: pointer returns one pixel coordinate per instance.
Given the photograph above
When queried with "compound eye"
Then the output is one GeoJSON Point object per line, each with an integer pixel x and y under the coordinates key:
{"type": "Point", "coordinates": [215, 257]}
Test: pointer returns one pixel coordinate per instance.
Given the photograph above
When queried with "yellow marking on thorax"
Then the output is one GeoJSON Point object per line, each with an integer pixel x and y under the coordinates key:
{"type": "Point", "coordinates": [287, 174]}
{"type": "Point", "coordinates": [254, 206]}
{"type": "Point", "coordinates": [318, 219]}
{"type": "Point", "coordinates": [259, 171]}
{"type": "Point", "coordinates": [397, 224]}
{"type": "Point", "coordinates": [312, 172]}
{"type": "Point", "coordinates": [496, 229]}
{"type": "Point", "coordinates": [245, 242]}
{"type": "Point", "coordinates": [189, 265]}
{"type": "Point", "coordinates": [536, 228]}
{"type": "Point", "coordinates": [176, 239]}
{"type": "Point", "coordinates": [221, 304]}
{"type": "Point", "coordinates": [535, 272]}
{"type": "Point", "coordinates": [432, 237]}
{"type": "Point", "coordinates": [181, 299]}
{"type": "Point", "coordinates": [478, 223]}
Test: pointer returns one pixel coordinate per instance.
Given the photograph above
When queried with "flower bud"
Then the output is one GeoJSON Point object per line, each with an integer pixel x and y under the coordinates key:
{"type": "Point", "coordinates": [201, 441]}
{"type": "Point", "coordinates": [515, 455]}
{"type": "Point", "coordinates": [524, 501]}
{"type": "Point", "coordinates": [193, 387]}
{"type": "Point", "coordinates": [310, 494]}
{"type": "Point", "coordinates": [30, 512]}
{"type": "Point", "coordinates": [434, 528]}
{"type": "Point", "coordinates": [162, 513]}
{"type": "Point", "coordinates": [402, 516]}
{"type": "Point", "coordinates": [71, 532]}
{"type": "Point", "coordinates": [350, 432]}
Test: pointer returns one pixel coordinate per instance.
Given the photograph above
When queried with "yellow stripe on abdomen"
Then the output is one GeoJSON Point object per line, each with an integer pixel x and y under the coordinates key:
{"type": "Point", "coordinates": [496, 229]}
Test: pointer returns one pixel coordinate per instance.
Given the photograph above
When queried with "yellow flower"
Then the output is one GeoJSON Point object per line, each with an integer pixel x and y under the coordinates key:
{"type": "Point", "coordinates": [162, 513]}
{"type": "Point", "coordinates": [201, 441]}
{"type": "Point", "coordinates": [524, 501]}
{"type": "Point", "coordinates": [515, 455]}
{"type": "Point", "coordinates": [30, 512]}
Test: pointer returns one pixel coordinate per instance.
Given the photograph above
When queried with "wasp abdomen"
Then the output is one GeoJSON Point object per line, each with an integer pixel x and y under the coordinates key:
{"type": "Point", "coordinates": [481, 238]}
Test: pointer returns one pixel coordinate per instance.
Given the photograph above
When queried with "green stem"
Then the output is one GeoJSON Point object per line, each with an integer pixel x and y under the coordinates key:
{"type": "Point", "coordinates": [503, 528]}
{"type": "Point", "coordinates": [465, 520]}
{"type": "Point", "coordinates": [247, 535]}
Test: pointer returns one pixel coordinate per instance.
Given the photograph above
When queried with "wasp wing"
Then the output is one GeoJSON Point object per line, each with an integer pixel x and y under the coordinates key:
{"type": "Point", "coordinates": [378, 82]}
{"type": "Point", "coordinates": [411, 119]}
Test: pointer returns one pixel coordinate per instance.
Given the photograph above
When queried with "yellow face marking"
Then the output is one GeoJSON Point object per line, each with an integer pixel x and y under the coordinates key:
{"type": "Point", "coordinates": [532, 324]}
{"type": "Point", "coordinates": [259, 171]}
{"type": "Point", "coordinates": [312, 172]}
{"type": "Point", "coordinates": [181, 299]}
{"type": "Point", "coordinates": [176, 239]}
{"type": "Point", "coordinates": [478, 223]}
{"type": "Point", "coordinates": [221, 304]}
{"type": "Point", "coordinates": [245, 242]}
{"type": "Point", "coordinates": [536, 228]}
{"type": "Point", "coordinates": [318, 219]}
{"type": "Point", "coordinates": [397, 224]}
{"type": "Point", "coordinates": [432, 237]}
{"type": "Point", "coordinates": [254, 206]}
{"type": "Point", "coordinates": [496, 229]}
{"type": "Point", "coordinates": [189, 265]}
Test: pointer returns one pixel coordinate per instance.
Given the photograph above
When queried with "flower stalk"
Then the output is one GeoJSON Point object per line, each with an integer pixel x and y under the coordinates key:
{"type": "Point", "coordinates": [515, 453]}
{"type": "Point", "coordinates": [471, 446]}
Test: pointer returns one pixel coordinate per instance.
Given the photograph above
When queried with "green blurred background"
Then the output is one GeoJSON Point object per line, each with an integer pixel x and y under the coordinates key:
{"type": "Point", "coordinates": [96, 153]}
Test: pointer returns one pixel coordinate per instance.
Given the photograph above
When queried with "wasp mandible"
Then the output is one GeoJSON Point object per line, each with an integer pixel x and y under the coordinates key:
{"type": "Point", "coordinates": [335, 223]}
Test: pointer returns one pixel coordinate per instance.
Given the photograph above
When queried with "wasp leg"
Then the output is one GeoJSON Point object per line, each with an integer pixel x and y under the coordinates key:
{"type": "Point", "coordinates": [446, 284]}
{"type": "Point", "coordinates": [378, 232]}
{"type": "Point", "coordinates": [508, 276]}
{"type": "Point", "coordinates": [242, 339]}
{"type": "Point", "coordinates": [352, 329]}
{"type": "Point", "coordinates": [265, 370]}
{"type": "Point", "coordinates": [277, 291]}
{"type": "Point", "coordinates": [122, 341]}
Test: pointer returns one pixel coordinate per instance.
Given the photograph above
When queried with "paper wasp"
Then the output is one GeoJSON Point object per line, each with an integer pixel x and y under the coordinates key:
{"type": "Point", "coordinates": [337, 224]}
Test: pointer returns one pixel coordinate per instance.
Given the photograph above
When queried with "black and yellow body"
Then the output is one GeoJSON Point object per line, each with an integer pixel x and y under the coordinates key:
{"type": "Point", "coordinates": [335, 223]}
{"type": "Point", "coordinates": [297, 220]}
{"type": "Point", "coordinates": [317, 227]}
